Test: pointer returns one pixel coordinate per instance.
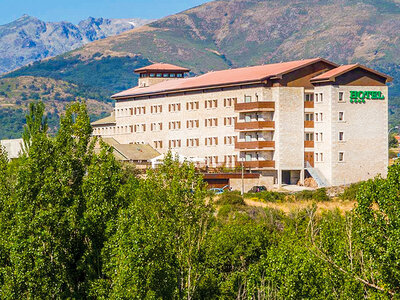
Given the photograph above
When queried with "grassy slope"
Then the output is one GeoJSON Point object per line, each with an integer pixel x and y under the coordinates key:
{"type": "Point", "coordinates": [17, 93]}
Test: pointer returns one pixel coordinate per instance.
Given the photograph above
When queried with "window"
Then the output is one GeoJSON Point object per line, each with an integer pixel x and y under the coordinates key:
{"type": "Point", "coordinates": [156, 126]}
{"type": "Point", "coordinates": [152, 75]}
{"type": "Point", "coordinates": [190, 124]}
{"type": "Point", "coordinates": [211, 141]}
{"type": "Point", "coordinates": [230, 159]}
{"type": "Point", "coordinates": [228, 102]}
{"type": "Point", "coordinates": [229, 121]}
{"type": "Point", "coordinates": [229, 140]}
{"type": "Point", "coordinates": [179, 75]}
{"type": "Point", "coordinates": [309, 117]}
{"type": "Point", "coordinates": [309, 136]}
{"type": "Point", "coordinates": [174, 107]}
{"type": "Point", "coordinates": [320, 117]}
{"type": "Point", "coordinates": [341, 156]}
{"type": "Point", "coordinates": [321, 97]}
{"type": "Point", "coordinates": [211, 104]}
{"type": "Point", "coordinates": [319, 157]}
{"type": "Point", "coordinates": [194, 105]}
{"type": "Point", "coordinates": [341, 136]}
{"type": "Point", "coordinates": [212, 122]}
{"type": "Point", "coordinates": [309, 97]}
{"type": "Point", "coordinates": [174, 143]}
{"type": "Point", "coordinates": [341, 116]}
{"type": "Point", "coordinates": [139, 128]}
{"type": "Point", "coordinates": [316, 98]}
{"type": "Point", "coordinates": [157, 144]}
{"type": "Point", "coordinates": [341, 98]}
{"type": "Point", "coordinates": [159, 74]}
{"type": "Point", "coordinates": [192, 142]}
{"type": "Point", "coordinates": [156, 109]}
{"type": "Point", "coordinates": [247, 99]}
{"type": "Point", "coordinates": [210, 160]}
{"type": "Point", "coordinates": [319, 136]}
{"type": "Point", "coordinates": [316, 117]}
{"type": "Point", "coordinates": [174, 125]}
{"type": "Point", "coordinates": [140, 110]}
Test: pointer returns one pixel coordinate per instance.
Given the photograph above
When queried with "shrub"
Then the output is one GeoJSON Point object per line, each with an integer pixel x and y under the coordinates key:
{"type": "Point", "coordinates": [392, 154]}
{"type": "Point", "coordinates": [230, 198]}
{"type": "Point", "coordinates": [316, 195]}
{"type": "Point", "coordinates": [351, 191]}
{"type": "Point", "coordinates": [267, 196]}
{"type": "Point", "coordinates": [304, 195]}
{"type": "Point", "coordinates": [320, 195]}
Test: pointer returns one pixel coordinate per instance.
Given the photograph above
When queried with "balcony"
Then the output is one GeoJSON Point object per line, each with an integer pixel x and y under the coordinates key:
{"type": "Point", "coordinates": [308, 144]}
{"type": "Point", "coordinates": [255, 145]}
{"type": "Point", "coordinates": [259, 164]}
{"type": "Point", "coordinates": [255, 126]}
{"type": "Point", "coordinates": [255, 106]}
{"type": "Point", "coordinates": [308, 124]}
{"type": "Point", "coordinates": [308, 104]}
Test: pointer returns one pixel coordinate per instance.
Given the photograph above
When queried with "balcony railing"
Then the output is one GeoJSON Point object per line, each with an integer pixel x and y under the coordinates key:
{"type": "Point", "coordinates": [308, 124]}
{"type": "Point", "coordinates": [257, 125]}
{"type": "Point", "coordinates": [308, 104]}
{"type": "Point", "coordinates": [257, 164]}
{"type": "Point", "coordinates": [254, 145]}
{"type": "Point", "coordinates": [255, 106]}
{"type": "Point", "coordinates": [309, 144]}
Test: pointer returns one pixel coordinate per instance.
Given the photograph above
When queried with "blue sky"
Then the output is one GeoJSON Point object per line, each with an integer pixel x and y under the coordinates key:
{"type": "Point", "coordinates": [76, 10]}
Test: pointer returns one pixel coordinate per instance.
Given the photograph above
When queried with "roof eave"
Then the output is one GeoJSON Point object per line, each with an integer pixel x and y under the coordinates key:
{"type": "Point", "coordinates": [159, 70]}
{"type": "Point", "coordinates": [262, 81]}
{"type": "Point", "coordinates": [279, 75]}
{"type": "Point", "coordinates": [101, 124]}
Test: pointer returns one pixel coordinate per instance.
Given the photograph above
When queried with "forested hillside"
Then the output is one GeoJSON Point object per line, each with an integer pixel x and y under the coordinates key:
{"type": "Point", "coordinates": [234, 33]}
{"type": "Point", "coordinates": [75, 224]}
{"type": "Point", "coordinates": [17, 93]}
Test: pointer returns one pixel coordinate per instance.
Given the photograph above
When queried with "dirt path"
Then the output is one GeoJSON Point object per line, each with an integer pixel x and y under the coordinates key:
{"type": "Point", "coordinates": [287, 207]}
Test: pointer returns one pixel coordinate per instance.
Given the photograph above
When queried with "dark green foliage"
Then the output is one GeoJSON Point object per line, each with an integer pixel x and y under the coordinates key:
{"type": "Point", "coordinates": [393, 143]}
{"type": "Point", "coordinates": [57, 201]}
{"type": "Point", "coordinates": [230, 198]}
{"type": "Point", "coordinates": [316, 195]}
{"type": "Point", "coordinates": [96, 79]}
{"type": "Point", "coordinates": [12, 123]}
{"type": "Point", "coordinates": [350, 192]}
{"type": "Point", "coordinates": [75, 225]}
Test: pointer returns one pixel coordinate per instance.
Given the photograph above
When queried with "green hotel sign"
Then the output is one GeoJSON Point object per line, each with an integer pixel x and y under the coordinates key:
{"type": "Point", "coordinates": [361, 96]}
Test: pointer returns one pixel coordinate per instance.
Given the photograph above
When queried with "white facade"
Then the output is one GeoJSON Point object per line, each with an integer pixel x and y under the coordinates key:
{"type": "Point", "coordinates": [264, 126]}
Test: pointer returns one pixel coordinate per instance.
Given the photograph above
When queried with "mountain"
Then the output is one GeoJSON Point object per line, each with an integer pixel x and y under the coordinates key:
{"type": "Point", "coordinates": [233, 33]}
{"type": "Point", "coordinates": [16, 93]}
{"type": "Point", "coordinates": [29, 39]}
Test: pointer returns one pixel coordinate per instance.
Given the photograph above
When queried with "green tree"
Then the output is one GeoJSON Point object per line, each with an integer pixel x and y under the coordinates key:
{"type": "Point", "coordinates": [36, 124]}
{"type": "Point", "coordinates": [55, 212]}
{"type": "Point", "coordinates": [156, 251]}
{"type": "Point", "coordinates": [393, 143]}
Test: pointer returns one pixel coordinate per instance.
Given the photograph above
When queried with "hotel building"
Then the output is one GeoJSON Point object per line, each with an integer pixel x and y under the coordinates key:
{"type": "Point", "coordinates": [284, 121]}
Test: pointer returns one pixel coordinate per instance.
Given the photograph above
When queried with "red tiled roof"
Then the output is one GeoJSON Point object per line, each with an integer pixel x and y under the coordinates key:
{"type": "Point", "coordinates": [220, 78]}
{"type": "Point", "coordinates": [332, 74]}
{"type": "Point", "coordinates": [161, 67]}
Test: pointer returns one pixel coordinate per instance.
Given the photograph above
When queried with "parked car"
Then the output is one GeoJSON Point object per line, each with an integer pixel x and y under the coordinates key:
{"type": "Point", "coordinates": [257, 189]}
{"type": "Point", "coordinates": [219, 191]}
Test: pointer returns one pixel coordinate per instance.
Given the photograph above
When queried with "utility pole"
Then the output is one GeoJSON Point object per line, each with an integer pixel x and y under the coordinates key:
{"type": "Point", "coordinates": [242, 178]}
